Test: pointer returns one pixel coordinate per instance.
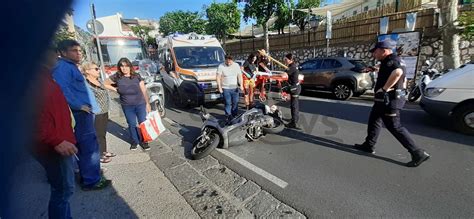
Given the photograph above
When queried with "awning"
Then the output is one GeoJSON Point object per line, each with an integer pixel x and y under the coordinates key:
{"type": "Point", "coordinates": [334, 8]}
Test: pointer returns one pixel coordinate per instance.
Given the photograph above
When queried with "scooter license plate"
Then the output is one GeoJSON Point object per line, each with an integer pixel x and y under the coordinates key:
{"type": "Point", "coordinates": [214, 96]}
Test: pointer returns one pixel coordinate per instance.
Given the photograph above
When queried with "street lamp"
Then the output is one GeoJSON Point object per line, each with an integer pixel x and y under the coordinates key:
{"type": "Point", "coordinates": [314, 24]}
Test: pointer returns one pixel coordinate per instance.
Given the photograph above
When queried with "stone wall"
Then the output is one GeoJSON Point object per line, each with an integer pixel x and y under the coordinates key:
{"type": "Point", "coordinates": [431, 48]}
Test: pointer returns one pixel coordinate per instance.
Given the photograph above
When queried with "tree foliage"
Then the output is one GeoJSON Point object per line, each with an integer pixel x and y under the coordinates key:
{"type": "Point", "coordinates": [87, 43]}
{"type": "Point", "coordinates": [182, 21]}
{"type": "Point", "coordinates": [301, 18]}
{"type": "Point", "coordinates": [283, 14]}
{"type": "Point", "coordinates": [466, 20]}
{"type": "Point", "coordinates": [142, 32]}
{"type": "Point", "coordinates": [223, 18]}
{"type": "Point", "coordinates": [262, 11]}
{"type": "Point", "coordinates": [62, 34]}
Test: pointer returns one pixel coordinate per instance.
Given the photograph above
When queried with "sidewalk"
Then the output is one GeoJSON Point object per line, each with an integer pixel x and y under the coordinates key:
{"type": "Point", "coordinates": [161, 183]}
{"type": "Point", "coordinates": [139, 189]}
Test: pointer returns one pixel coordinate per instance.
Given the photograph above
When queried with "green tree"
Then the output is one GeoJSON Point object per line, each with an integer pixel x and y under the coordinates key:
{"type": "Point", "coordinates": [87, 43]}
{"type": "Point", "coordinates": [466, 20]}
{"type": "Point", "coordinates": [262, 11]}
{"type": "Point", "coordinates": [182, 21]}
{"type": "Point", "coordinates": [301, 18]}
{"type": "Point", "coordinates": [283, 15]}
{"type": "Point", "coordinates": [142, 32]}
{"type": "Point", "coordinates": [223, 18]}
{"type": "Point", "coordinates": [62, 34]}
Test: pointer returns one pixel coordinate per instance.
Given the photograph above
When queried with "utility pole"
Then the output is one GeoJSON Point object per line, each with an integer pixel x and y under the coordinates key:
{"type": "Point", "coordinates": [99, 49]}
{"type": "Point", "coordinates": [328, 30]}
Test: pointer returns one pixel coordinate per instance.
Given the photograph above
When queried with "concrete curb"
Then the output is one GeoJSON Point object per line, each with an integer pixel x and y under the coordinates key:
{"type": "Point", "coordinates": [212, 188]}
{"type": "Point", "coordinates": [208, 185]}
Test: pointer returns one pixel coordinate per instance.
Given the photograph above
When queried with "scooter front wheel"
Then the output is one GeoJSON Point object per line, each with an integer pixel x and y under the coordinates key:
{"type": "Point", "coordinates": [414, 94]}
{"type": "Point", "coordinates": [204, 145]}
{"type": "Point", "coordinates": [160, 107]}
{"type": "Point", "coordinates": [277, 127]}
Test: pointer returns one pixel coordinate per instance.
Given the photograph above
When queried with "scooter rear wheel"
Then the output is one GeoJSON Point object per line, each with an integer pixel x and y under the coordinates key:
{"type": "Point", "coordinates": [202, 148]}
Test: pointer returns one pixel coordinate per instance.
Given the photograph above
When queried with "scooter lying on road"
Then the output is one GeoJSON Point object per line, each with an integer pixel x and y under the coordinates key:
{"type": "Point", "coordinates": [428, 75]}
{"type": "Point", "coordinates": [249, 126]}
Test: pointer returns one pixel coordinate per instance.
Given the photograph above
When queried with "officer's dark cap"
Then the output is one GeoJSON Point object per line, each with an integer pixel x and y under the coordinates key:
{"type": "Point", "coordinates": [386, 44]}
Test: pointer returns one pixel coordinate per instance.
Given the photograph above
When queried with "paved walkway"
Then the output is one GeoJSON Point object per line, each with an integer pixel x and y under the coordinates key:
{"type": "Point", "coordinates": [139, 189]}
{"type": "Point", "coordinates": [161, 183]}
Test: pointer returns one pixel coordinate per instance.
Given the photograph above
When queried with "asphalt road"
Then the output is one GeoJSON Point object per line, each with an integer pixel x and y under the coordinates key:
{"type": "Point", "coordinates": [326, 177]}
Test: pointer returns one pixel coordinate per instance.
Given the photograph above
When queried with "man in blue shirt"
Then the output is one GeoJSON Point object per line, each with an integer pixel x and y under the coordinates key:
{"type": "Point", "coordinates": [82, 102]}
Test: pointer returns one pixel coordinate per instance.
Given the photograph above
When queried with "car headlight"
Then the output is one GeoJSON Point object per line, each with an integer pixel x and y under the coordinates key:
{"type": "Point", "coordinates": [433, 91]}
{"type": "Point", "coordinates": [187, 77]}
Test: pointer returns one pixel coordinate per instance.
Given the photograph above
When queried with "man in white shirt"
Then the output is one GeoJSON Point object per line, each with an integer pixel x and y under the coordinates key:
{"type": "Point", "coordinates": [229, 80]}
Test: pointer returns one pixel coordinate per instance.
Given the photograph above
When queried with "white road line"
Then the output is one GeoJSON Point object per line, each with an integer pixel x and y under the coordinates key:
{"type": "Point", "coordinates": [349, 103]}
{"type": "Point", "coordinates": [169, 120]}
{"type": "Point", "coordinates": [336, 101]}
{"type": "Point", "coordinates": [277, 181]}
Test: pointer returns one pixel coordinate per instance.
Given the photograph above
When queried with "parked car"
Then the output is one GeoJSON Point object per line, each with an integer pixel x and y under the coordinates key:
{"type": "Point", "coordinates": [342, 76]}
{"type": "Point", "coordinates": [452, 96]}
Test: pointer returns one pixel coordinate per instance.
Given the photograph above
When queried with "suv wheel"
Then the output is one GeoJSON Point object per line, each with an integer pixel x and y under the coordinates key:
{"type": "Point", "coordinates": [464, 118]}
{"type": "Point", "coordinates": [342, 91]}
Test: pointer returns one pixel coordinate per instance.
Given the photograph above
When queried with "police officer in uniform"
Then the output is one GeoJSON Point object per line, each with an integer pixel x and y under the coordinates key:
{"type": "Point", "coordinates": [295, 90]}
{"type": "Point", "coordinates": [389, 100]}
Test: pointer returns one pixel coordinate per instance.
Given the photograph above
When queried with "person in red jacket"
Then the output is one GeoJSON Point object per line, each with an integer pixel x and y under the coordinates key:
{"type": "Point", "coordinates": [55, 142]}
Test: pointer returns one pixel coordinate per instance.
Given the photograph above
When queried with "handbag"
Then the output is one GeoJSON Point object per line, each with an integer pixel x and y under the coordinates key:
{"type": "Point", "coordinates": [152, 127]}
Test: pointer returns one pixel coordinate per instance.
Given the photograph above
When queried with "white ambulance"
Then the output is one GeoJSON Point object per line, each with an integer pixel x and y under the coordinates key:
{"type": "Point", "coordinates": [189, 68]}
{"type": "Point", "coordinates": [452, 96]}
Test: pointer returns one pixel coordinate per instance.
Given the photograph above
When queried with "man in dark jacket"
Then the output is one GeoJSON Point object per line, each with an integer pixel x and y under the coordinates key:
{"type": "Point", "coordinates": [55, 141]}
{"type": "Point", "coordinates": [295, 90]}
{"type": "Point", "coordinates": [83, 104]}
{"type": "Point", "coordinates": [389, 100]}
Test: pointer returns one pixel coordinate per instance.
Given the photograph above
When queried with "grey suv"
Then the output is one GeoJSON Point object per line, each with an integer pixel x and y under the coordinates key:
{"type": "Point", "coordinates": [342, 76]}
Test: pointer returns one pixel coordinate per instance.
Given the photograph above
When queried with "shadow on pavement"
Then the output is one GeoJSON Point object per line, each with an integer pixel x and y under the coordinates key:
{"type": "Point", "coordinates": [31, 191]}
{"type": "Point", "coordinates": [118, 130]}
{"type": "Point", "coordinates": [325, 142]}
{"type": "Point", "coordinates": [189, 134]}
{"type": "Point", "coordinates": [417, 122]}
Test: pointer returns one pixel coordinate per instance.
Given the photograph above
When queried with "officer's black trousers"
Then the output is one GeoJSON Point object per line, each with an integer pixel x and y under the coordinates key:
{"type": "Point", "coordinates": [295, 106]}
{"type": "Point", "coordinates": [379, 115]}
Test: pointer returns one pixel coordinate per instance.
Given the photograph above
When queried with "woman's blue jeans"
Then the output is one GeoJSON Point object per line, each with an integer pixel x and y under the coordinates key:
{"type": "Point", "coordinates": [132, 113]}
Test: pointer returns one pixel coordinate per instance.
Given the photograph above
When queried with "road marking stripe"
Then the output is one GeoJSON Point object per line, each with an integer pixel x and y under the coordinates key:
{"type": "Point", "coordinates": [277, 181]}
{"type": "Point", "coordinates": [336, 101]}
{"type": "Point", "coordinates": [169, 120]}
{"type": "Point", "coordinates": [349, 103]}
